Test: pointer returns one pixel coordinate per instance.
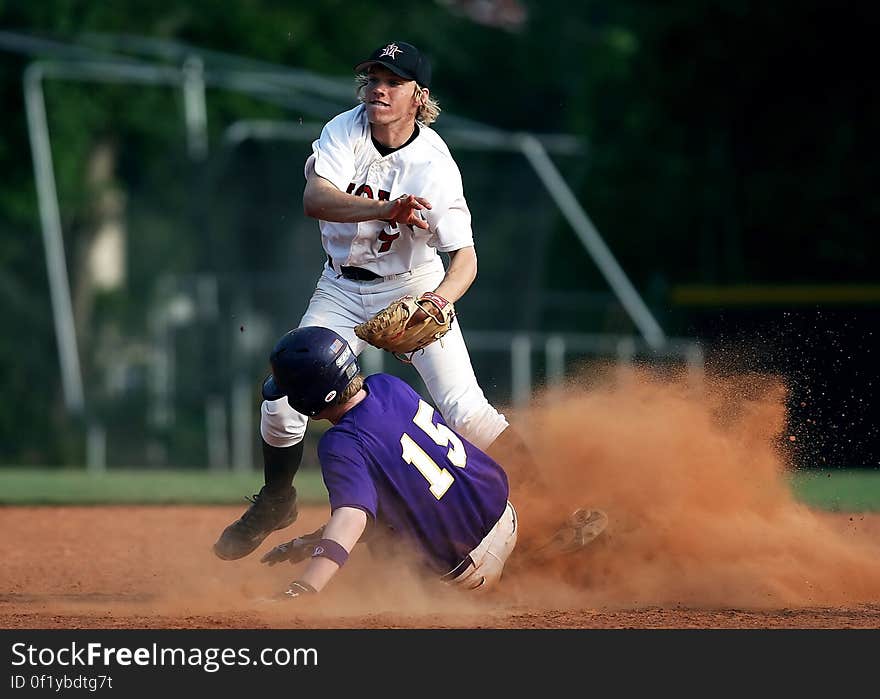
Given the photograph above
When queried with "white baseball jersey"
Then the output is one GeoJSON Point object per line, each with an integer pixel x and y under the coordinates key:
{"type": "Point", "coordinates": [345, 155]}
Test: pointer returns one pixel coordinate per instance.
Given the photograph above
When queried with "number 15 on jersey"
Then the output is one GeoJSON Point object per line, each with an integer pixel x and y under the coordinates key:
{"type": "Point", "coordinates": [438, 478]}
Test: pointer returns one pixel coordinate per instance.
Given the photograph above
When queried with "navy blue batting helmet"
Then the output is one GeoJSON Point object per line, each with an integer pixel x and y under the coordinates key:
{"type": "Point", "coordinates": [312, 366]}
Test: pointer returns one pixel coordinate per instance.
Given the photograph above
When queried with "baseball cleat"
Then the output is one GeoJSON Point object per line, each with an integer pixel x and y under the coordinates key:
{"type": "Point", "coordinates": [267, 514]}
{"type": "Point", "coordinates": [580, 528]}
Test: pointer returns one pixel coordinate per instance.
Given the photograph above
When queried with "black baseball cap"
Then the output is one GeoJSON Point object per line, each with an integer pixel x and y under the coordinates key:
{"type": "Point", "coordinates": [401, 58]}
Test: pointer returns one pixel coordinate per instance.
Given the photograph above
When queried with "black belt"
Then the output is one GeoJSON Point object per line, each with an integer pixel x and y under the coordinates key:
{"type": "Point", "coordinates": [358, 274]}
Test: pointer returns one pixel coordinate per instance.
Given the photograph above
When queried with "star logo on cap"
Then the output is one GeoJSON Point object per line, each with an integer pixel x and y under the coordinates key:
{"type": "Point", "coordinates": [391, 50]}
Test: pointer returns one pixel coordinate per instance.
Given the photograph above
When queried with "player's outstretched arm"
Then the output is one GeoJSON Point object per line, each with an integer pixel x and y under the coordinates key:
{"type": "Point", "coordinates": [323, 200]}
{"type": "Point", "coordinates": [460, 274]}
{"type": "Point", "coordinates": [340, 535]}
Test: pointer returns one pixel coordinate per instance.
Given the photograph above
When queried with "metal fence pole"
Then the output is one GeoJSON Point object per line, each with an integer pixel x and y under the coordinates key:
{"type": "Point", "coordinates": [216, 433]}
{"type": "Point", "coordinates": [574, 213]}
{"type": "Point", "coordinates": [554, 350]}
{"type": "Point", "coordinates": [96, 448]}
{"type": "Point", "coordinates": [626, 349]}
{"type": "Point", "coordinates": [195, 110]}
{"type": "Point", "coordinates": [521, 369]}
{"type": "Point", "coordinates": [372, 361]}
{"type": "Point", "coordinates": [242, 434]}
{"type": "Point", "coordinates": [56, 264]}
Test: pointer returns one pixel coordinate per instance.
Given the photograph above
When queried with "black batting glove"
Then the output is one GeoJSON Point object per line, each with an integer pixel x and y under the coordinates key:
{"type": "Point", "coordinates": [298, 589]}
{"type": "Point", "coordinates": [295, 550]}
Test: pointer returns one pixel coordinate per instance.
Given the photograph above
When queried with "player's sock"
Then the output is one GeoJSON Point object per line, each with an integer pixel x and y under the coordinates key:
{"type": "Point", "coordinates": [280, 465]}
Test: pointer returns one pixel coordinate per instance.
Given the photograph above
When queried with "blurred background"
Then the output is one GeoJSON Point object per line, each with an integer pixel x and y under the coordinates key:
{"type": "Point", "coordinates": [684, 183]}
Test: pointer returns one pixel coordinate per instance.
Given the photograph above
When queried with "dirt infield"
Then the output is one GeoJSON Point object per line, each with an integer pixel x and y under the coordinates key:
{"type": "Point", "coordinates": [704, 533]}
{"type": "Point", "coordinates": [151, 567]}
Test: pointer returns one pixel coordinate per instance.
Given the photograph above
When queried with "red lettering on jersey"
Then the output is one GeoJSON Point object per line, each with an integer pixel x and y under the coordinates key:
{"type": "Point", "coordinates": [385, 195]}
{"type": "Point", "coordinates": [387, 239]}
{"type": "Point", "coordinates": [364, 191]}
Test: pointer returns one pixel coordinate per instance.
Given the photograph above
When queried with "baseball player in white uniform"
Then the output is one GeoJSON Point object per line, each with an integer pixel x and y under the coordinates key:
{"type": "Point", "coordinates": [388, 197]}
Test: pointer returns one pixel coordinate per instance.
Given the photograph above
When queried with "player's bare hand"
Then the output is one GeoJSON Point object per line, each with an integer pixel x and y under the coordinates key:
{"type": "Point", "coordinates": [405, 210]}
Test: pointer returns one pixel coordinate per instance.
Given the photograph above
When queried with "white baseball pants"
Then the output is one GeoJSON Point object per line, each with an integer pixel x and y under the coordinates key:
{"type": "Point", "coordinates": [445, 366]}
{"type": "Point", "coordinates": [490, 555]}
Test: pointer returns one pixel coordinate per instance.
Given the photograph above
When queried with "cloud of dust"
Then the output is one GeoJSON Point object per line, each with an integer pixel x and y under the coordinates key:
{"type": "Point", "coordinates": [693, 475]}
{"type": "Point", "coordinates": [191, 581]}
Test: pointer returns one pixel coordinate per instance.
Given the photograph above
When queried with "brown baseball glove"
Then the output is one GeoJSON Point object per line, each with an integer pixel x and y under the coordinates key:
{"type": "Point", "coordinates": [408, 324]}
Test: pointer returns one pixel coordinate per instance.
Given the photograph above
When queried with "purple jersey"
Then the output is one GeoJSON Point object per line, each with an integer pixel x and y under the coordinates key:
{"type": "Point", "coordinates": [394, 457]}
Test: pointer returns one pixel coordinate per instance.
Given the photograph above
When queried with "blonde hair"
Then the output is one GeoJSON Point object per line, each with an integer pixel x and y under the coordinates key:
{"type": "Point", "coordinates": [357, 383]}
{"type": "Point", "coordinates": [429, 108]}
